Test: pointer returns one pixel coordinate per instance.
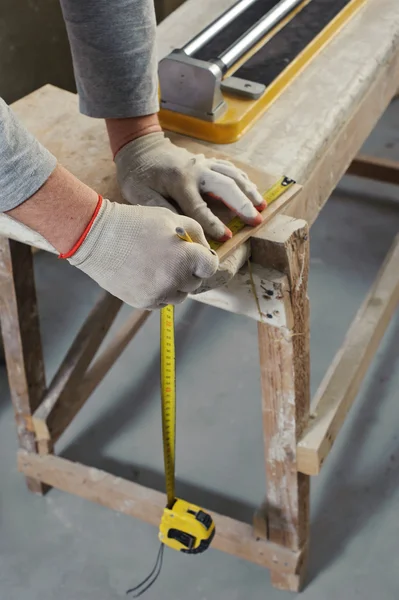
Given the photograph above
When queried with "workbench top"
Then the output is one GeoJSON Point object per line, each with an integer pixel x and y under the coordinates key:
{"type": "Point", "coordinates": [311, 133]}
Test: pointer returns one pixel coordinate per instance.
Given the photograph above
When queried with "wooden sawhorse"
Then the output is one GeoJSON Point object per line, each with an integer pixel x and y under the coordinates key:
{"type": "Point", "coordinates": [296, 442]}
{"type": "Point", "coordinates": [320, 123]}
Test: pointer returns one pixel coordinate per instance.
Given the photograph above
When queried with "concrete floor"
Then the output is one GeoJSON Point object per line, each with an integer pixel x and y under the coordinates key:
{"type": "Point", "coordinates": [62, 547]}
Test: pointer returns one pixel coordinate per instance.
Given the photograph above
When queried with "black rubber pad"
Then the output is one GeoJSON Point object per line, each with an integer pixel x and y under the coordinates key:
{"type": "Point", "coordinates": [271, 60]}
{"type": "Point", "coordinates": [234, 30]}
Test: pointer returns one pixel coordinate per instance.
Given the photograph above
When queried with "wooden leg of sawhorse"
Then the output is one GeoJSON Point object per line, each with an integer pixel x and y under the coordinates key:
{"type": "Point", "coordinates": [22, 342]}
{"type": "Point", "coordinates": [285, 377]}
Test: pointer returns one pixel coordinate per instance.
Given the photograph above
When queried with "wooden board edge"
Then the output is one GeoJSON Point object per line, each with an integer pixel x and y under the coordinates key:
{"type": "Point", "coordinates": [233, 537]}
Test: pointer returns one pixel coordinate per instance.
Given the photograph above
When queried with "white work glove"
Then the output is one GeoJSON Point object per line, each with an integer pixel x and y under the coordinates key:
{"type": "Point", "coordinates": [152, 163]}
{"type": "Point", "coordinates": [134, 253]}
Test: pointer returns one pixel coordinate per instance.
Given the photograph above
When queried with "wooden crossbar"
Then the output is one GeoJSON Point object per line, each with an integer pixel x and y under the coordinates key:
{"type": "Point", "coordinates": [233, 537]}
{"type": "Point", "coordinates": [347, 371]}
{"type": "Point", "coordinates": [73, 384]}
{"type": "Point", "coordinates": [62, 389]}
{"type": "Point", "coordinates": [104, 362]}
{"type": "Point", "coordinates": [378, 169]}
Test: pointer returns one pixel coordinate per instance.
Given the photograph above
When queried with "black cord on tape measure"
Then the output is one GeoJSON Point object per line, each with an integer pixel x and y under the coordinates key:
{"type": "Point", "coordinates": [139, 589]}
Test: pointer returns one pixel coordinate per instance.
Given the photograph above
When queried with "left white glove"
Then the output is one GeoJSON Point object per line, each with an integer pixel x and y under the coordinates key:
{"type": "Point", "coordinates": [152, 163]}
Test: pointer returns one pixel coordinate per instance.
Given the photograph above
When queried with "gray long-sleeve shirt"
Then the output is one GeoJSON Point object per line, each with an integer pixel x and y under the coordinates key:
{"type": "Point", "coordinates": [114, 58]}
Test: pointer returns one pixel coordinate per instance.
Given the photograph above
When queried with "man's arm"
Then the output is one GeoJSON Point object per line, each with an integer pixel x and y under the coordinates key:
{"type": "Point", "coordinates": [25, 164]}
{"type": "Point", "coordinates": [133, 252]}
{"type": "Point", "coordinates": [114, 56]}
{"type": "Point", "coordinates": [114, 52]}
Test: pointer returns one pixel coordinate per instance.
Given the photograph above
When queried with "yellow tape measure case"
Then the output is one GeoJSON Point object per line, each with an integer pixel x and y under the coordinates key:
{"type": "Point", "coordinates": [187, 528]}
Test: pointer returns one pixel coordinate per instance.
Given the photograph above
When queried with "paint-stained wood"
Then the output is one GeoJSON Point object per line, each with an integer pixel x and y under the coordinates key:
{"type": "Point", "coordinates": [285, 367]}
{"type": "Point", "coordinates": [61, 403]}
{"type": "Point", "coordinates": [146, 504]}
{"type": "Point", "coordinates": [341, 383]}
{"type": "Point", "coordinates": [377, 169]}
{"type": "Point", "coordinates": [22, 343]}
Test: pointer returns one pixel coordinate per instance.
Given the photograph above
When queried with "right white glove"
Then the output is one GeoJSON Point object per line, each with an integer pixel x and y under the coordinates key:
{"type": "Point", "coordinates": [151, 170]}
{"type": "Point", "coordinates": [134, 253]}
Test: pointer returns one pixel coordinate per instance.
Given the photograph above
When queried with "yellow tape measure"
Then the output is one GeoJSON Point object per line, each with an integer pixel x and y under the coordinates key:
{"type": "Point", "coordinates": [275, 192]}
{"type": "Point", "coordinates": [168, 397]}
{"type": "Point", "coordinates": [184, 526]}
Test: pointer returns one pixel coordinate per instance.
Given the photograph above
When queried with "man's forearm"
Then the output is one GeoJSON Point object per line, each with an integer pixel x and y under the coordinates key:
{"type": "Point", "coordinates": [60, 210]}
{"type": "Point", "coordinates": [24, 163]}
{"type": "Point", "coordinates": [123, 131]}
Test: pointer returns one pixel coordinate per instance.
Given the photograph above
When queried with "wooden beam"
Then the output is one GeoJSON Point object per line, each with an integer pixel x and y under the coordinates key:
{"type": "Point", "coordinates": [378, 169]}
{"type": "Point", "coordinates": [346, 373]}
{"type": "Point", "coordinates": [56, 410]}
{"type": "Point", "coordinates": [285, 380]}
{"type": "Point", "coordinates": [146, 504]}
{"type": "Point", "coordinates": [263, 180]}
{"type": "Point", "coordinates": [335, 158]}
{"type": "Point", "coordinates": [103, 363]}
{"type": "Point", "coordinates": [22, 342]}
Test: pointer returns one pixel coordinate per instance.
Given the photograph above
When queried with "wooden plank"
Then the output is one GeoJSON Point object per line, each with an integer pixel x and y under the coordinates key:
{"type": "Point", "coordinates": [349, 137]}
{"type": "Point", "coordinates": [285, 380]}
{"type": "Point", "coordinates": [21, 338]}
{"type": "Point", "coordinates": [260, 294]}
{"type": "Point", "coordinates": [325, 102]}
{"type": "Point", "coordinates": [378, 169]}
{"type": "Point", "coordinates": [263, 180]}
{"type": "Point", "coordinates": [60, 404]}
{"type": "Point", "coordinates": [81, 146]}
{"type": "Point", "coordinates": [346, 373]}
{"type": "Point", "coordinates": [146, 504]}
{"type": "Point", "coordinates": [107, 358]}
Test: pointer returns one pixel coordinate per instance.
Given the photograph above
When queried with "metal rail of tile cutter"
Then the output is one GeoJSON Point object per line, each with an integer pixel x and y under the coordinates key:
{"type": "Point", "coordinates": [220, 82]}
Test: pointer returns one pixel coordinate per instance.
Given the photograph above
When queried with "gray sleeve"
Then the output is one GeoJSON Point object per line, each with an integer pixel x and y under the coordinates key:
{"type": "Point", "coordinates": [25, 165]}
{"type": "Point", "coordinates": [114, 56]}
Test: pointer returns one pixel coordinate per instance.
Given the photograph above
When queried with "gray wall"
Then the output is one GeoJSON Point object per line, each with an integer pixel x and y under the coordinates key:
{"type": "Point", "coordinates": [34, 46]}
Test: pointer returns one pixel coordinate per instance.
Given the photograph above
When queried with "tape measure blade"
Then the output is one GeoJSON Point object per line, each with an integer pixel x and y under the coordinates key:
{"type": "Point", "coordinates": [168, 398]}
{"type": "Point", "coordinates": [271, 195]}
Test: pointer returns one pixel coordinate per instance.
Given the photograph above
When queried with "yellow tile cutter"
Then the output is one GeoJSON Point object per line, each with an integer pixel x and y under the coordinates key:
{"type": "Point", "coordinates": [223, 80]}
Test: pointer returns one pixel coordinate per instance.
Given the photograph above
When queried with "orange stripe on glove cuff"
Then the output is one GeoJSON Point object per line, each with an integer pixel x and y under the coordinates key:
{"type": "Point", "coordinates": [82, 238]}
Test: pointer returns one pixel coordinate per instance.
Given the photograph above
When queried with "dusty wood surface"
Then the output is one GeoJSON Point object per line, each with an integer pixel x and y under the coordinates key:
{"type": "Point", "coordinates": [260, 294]}
{"type": "Point", "coordinates": [21, 337]}
{"type": "Point", "coordinates": [377, 169]}
{"type": "Point", "coordinates": [285, 379]}
{"type": "Point", "coordinates": [341, 383]}
{"type": "Point", "coordinates": [135, 500]}
{"type": "Point", "coordinates": [59, 405]}
{"type": "Point", "coordinates": [66, 408]}
{"type": "Point", "coordinates": [262, 179]}
{"type": "Point", "coordinates": [311, 133]}
{"type": "Point", "coordinates": [81, 145]}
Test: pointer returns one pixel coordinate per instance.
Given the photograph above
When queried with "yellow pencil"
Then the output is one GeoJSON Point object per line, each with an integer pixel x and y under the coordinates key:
{"type": "Point", "coordinates": [183, 235]}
